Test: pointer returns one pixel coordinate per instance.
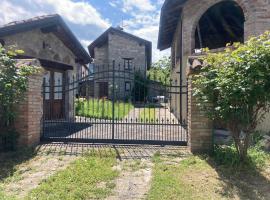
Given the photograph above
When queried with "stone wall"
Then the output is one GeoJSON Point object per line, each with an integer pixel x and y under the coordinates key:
{"type": "Point", "coordinates": [115, 49]}
{"type": "Point", "coordinates": [36, 44]}
{"type": "Point", "coordinates": [101, 55]}
{"type": "Point", "coordinates": [121, 46]}
{"type": "Point", "coordinates": [29, 120]}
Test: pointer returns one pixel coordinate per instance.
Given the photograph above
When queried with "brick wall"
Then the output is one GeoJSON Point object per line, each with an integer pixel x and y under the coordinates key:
{"type": "Point", "coordinates": [200, 128]}
{"type": "Point", "coordinates": [28, 122]}
{"type": "Point", "coordinates": [257, 21]}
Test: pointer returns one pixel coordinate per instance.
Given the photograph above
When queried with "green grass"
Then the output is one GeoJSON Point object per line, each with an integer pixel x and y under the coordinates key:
{"type": "Point", "coordinates": [227, 156]}
{"type": "Point", "coordinates": [87, 178]}
{"type": "Point", "coordinates": [148, 115]}
{"type": "Point", "coordinates": [168, 180]}
{"type": "Point", "coordinates": [204, 177]}
{"type": "Point", "coordinates": [3, 196]}
{"type": "Point", "coordinates": [257, 157]}
{"type": "Point", "coordinates": [102, 108]}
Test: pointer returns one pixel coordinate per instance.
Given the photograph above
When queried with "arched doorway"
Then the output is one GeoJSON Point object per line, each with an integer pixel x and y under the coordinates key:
{"type": "Point", "coordinates": [221, 24]}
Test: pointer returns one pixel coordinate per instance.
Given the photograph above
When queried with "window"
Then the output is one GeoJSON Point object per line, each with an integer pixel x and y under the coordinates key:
{"type": "Point", "coordinates": [128, 63]}
{"type": "Point", "coordinates": [127, 86]}
{"type": "Point", "coordinates": [47, 84]}
{"type": "Point", "coordinates": [58, 85]}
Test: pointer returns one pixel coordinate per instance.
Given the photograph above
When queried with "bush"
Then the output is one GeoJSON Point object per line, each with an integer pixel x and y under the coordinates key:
{"type": "Point", "coordinates": [237, 83]}
{"type": "Point", "coordinates": [228, 156]}
{"type": "Point", "coordinates": [13, 85]}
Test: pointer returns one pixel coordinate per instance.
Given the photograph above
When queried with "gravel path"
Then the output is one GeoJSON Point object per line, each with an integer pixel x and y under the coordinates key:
{"type": "Point", "coordinates": [132, 184]}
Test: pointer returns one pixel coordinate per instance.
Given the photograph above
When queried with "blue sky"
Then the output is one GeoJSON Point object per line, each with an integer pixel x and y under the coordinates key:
{"type": "Point", "coordinates": [89, 18]}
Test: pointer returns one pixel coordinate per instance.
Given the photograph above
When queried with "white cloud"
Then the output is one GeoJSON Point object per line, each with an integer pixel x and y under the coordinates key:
{"type": "Point", "coordinates": [151, 33]}
{"type": "Point", "coordinates": [113, 4]}
{"type": "Point", "coordinates": [10, 12]}
{"type": "Point", "coordinates": [141, 5]}
{"type": "Point", "coordinates": [160, 2]}
{"type": "Point", "coordinates": [86, 43]}
{"type": "Point", "coordinates": [147, 26]}
{"type": "Point", "coordinates": [79, 12]}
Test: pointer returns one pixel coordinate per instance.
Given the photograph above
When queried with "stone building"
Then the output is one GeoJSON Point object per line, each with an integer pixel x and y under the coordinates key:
{"type": "Point", "coordinates": [49, 40]}
{"type": "Point", "coordinates": [186, 26]}
{"type": "Point", "coordinates": [130, 53]}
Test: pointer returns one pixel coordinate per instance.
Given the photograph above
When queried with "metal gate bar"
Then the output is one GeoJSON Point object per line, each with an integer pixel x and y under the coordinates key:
{"type": "Point", "coordinates": [115, 104]}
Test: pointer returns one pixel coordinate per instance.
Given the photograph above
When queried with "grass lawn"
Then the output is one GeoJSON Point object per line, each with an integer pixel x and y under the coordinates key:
{"type": "Point", "coordinates": [148, 115]}
{"type": "Point", "coordinates": [200, 177]}
{"type": "Point", "coordinates": [90, 177]}
{"type": "Point", "coordinates": [102, 108]}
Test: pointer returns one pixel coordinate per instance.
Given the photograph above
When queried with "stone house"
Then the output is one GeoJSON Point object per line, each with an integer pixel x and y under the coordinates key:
{"type": "Point", "coordinates": [50, 41]}
{"type": "Point", "coordinates": [186, 26]}
{"type": "Point", "coordinates": [129, 52]}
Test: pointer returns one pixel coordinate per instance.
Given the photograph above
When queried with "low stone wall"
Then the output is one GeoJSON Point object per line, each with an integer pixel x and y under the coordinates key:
{"type": "Point", "coordinates": [28, 122]}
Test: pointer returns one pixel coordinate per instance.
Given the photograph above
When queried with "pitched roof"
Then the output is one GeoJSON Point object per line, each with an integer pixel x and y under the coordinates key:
{"type": "Point", "coordinates": [170, 14]}
{"type": "Point", "coordinates": [103, 38]}
{"type": "Point", "coordinates": [49, 23]}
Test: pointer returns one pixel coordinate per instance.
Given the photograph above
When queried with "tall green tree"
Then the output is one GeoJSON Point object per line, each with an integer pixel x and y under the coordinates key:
{"type": "Point", "coordinates": [237, 83]}
{"type": "Point", "coordinates": [160, 71]}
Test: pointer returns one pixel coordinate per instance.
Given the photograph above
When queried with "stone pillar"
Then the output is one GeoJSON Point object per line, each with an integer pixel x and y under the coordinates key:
{"type": "Point", "coordinates": [30, 111]}
{"type": "Point", "coordinates": [200, 128]}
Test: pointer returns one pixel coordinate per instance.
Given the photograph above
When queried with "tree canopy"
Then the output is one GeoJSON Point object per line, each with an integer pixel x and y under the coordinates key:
{"type": "Point", "coordinates": [161, 71]}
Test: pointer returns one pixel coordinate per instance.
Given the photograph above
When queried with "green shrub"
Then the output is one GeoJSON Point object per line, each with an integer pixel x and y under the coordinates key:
{"type": "Point", "coordinates": [13, 85]}
{"type": "Point", "coordinates": [228, 156]}
{"type": "Point", "coordinates": [236, 82]}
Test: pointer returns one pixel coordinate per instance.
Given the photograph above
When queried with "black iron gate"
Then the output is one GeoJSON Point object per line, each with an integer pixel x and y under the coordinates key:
{"type": "Point", "coordinates": [115, 104]}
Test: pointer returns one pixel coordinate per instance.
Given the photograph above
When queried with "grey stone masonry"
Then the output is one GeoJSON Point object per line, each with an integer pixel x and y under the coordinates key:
{"type": "Point", "coordinates": [117, 48]}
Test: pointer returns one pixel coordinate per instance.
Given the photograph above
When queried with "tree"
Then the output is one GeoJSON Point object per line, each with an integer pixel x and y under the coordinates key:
{"type": "Point", "coordinates": [161, 71]}
{"type": "Point", "coordinates": [237, 83]}
{"type": "Point", "coordinates": [140, 88]}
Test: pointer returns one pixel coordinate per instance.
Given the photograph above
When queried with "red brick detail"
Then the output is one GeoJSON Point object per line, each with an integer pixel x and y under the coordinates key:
{"type": "Point", "coordinates": [200, 127]}
{"type": "Point", "coordinates": [28, 121]}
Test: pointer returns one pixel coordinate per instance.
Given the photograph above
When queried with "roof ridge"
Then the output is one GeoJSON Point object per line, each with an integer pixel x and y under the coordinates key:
{"type": "Point", "coordinates": [40, 17]}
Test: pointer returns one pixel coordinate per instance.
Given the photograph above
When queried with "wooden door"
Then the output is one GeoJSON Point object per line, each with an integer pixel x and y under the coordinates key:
{"type": "Point", "coordinates": [103, 89]}
{"type": "Point", "coordinates": [58, 97]}
{"type": "Point", "coordinates": [54, 96]}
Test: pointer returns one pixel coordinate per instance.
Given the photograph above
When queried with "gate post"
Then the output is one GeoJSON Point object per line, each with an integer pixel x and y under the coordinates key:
{"type": "Point", "coordinates": [28, 122]}
{"type": "Point", "coordinates": [113, 99]}
{"type": "Point", "coordinates": [200, 127]}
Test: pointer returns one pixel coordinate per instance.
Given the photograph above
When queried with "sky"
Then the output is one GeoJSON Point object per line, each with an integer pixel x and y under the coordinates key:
{"type": "Point", "coordinates": [90, 18]}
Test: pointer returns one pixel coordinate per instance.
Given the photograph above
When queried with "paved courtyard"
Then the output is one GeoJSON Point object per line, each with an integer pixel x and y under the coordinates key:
{"type": "Point", "coordinates": [165, 127]}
